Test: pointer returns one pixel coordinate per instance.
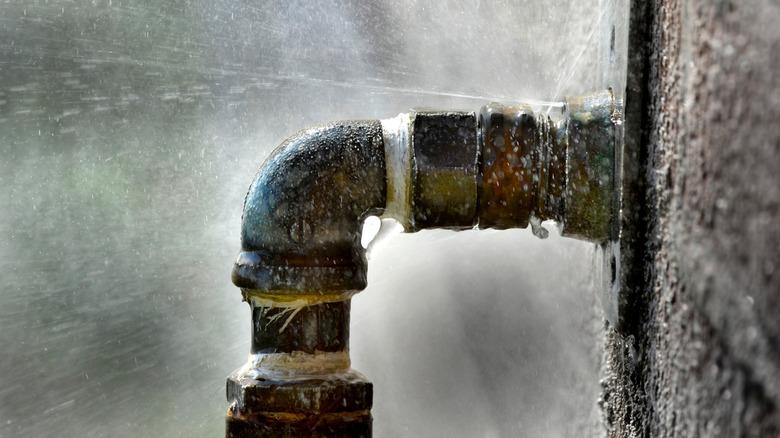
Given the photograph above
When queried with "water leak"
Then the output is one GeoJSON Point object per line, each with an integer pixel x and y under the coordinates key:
{"type": "Point", "coordinates": [129, 132]}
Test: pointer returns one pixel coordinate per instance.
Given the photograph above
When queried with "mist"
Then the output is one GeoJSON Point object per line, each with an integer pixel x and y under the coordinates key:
{"type": "Point", "coordinates": [129, 134]}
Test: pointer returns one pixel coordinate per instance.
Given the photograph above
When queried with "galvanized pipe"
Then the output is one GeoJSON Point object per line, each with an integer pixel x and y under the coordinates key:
{"type": "Point", "coordinates": [301, 259]}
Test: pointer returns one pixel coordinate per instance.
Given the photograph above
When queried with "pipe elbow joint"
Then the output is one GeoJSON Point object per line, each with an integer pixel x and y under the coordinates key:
{"type": "Point", "coordinates": [303, 213]}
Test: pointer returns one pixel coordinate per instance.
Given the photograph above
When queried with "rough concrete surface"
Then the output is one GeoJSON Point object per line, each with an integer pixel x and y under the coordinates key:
{"type": "Point", "coordinates": [701, 356]}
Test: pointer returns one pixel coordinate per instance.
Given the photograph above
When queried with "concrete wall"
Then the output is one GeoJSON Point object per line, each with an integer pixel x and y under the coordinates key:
{"type": "Point", "coordinates": [699, 354]}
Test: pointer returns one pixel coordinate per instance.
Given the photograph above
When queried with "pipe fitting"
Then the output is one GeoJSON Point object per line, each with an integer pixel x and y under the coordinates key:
{"type": "Point", "coordinates": [301, 258]}
{"type": "Point", "coordinates": [535, 169]}
{"type": "Point", "coordinates": [304, 211]}
{"type": "Point", "coordinates": [445, 155]}
{"type": "Point", "coordinates": [523, 167]}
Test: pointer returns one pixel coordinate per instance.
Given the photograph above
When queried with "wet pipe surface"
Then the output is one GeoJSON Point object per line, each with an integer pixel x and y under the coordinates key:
{"type": "Point", "coordinates": [302, 260]}
{"type": "Point", "coordinates": [337, 405]}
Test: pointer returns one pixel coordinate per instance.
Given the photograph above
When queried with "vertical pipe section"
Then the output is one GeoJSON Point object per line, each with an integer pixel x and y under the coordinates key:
{"type": "Point", "coordinates": [298, 380]}
{"type": "Point", "coordinates": [300, 264]}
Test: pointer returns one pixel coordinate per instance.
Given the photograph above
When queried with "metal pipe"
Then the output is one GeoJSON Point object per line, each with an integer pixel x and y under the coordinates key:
{"type": "Point", "coordinates": [301, 258]}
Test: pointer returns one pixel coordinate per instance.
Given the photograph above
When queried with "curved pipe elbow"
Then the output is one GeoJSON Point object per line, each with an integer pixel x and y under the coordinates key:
{"type": "Point", "coordinates": [304, 211]}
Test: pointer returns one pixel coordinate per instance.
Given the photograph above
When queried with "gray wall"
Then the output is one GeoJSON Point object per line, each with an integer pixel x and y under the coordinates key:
{"type": "Point", "coordinates": [700, 355]}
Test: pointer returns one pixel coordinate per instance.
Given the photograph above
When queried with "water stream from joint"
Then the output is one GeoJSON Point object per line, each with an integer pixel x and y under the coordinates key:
{"type": "Point", "coordinates": [129, 133]}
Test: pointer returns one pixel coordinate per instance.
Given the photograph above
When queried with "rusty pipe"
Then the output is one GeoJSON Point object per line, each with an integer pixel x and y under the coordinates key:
{"type": "Point", "coordinates": [301, 258]}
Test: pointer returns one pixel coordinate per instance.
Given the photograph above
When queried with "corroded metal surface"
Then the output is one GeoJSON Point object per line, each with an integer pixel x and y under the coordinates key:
{"type": "Point", "coordinates": [445, 169]}
{"type": "Point", "coordinates": [534, 169]}
{"type": "Point", "coordinates": [590, 203]}
{"type": "Point", "coordinates": [302, 260]}
{"type": "Point", "coordinates": [510, 140]}
{"type": "Point", "coordinates": [322, 327]}
{"type": "Point", "coordinates": [343, 392]}
{"type": "Point", "coordinates": [303, 213]}
{"type": "Point", "coordinates": [334, 405]}
{"type": "Point", "coordinates": [298, 381]}
{"type": "Point", "coordinates": [552, 170]}
{"type": "Point", "coordinates": [347, 425]}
